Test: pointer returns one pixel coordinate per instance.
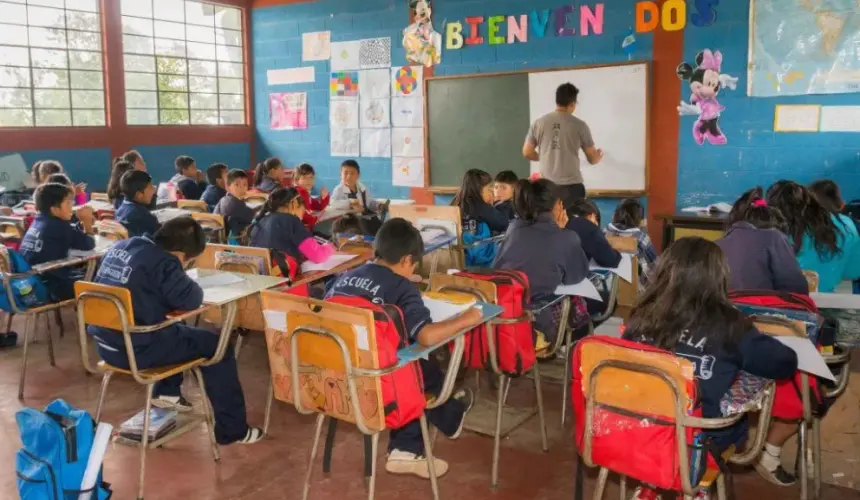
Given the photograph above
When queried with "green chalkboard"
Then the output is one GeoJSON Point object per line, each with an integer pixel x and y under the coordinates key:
{"type": "Point", "coordinates": [476, 122]}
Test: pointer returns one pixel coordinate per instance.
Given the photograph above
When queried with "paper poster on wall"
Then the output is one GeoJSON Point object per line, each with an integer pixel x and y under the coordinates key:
{"type": "Point", "coordinates": [423, 44]}
{"type": "Point", "coordinates": [345, 142]}
{"type": "Point", "coordinates": [376, 143]}
{"type": "Point", "coordinates": [796, 118]}
{"type": "Point", "coordinates": [345, 56]}
{"type": "Point", "coordinates": [374, 84]}
{"type": "Point", "coordinates": [343, 113]}
{"type": "Point", "coordinates": [407, 142]}
{"type": "Point", "coordinates": [344, 84]}
{"type": "Point", "coordinates": [407, 112]}
{"type": "Point", "coordinates": [375, 53]}
{"type": "Point", "coordinates": [407, 81]}
{"type": "Point", "coordinates": [408, 172]}
{"type": "Point", "coordinates": [13, 172]}
{"type": "Point", "coordinates": [316, 46]}
{"type": "Point", "coordinates": [374, 113]}
{"type": "Point", "coordinates": [840, 119]}
{"type": "Point", "coordinates": [290, 75]}
{"type": "Point", "coordinates": [704, 78]}
{"type": "Point", "coordinates": [288, 111]}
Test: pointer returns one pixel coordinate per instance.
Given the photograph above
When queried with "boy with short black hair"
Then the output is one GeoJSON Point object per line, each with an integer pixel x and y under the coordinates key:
{"type": "Point", "coordinates": [153, 271]}
{"type": "Point", "coordinates": [237, 214]}
{"type": "Point", "coordinates": [305, 180]}
{"type": "Point", "coordinates": [503, 193]}
{"type": "Point", "coordinates": [52, 235]}
{"type": "Point", "coordinates": [398, 249]}
{"type": "Point", "coordinates": [217, 188]}
{"type": "Point", "coordinates": [187, 179]}
{"type": "Point", "coordinates": [351, 193]}
{"type": "Point", "coordinates": [134, 211]}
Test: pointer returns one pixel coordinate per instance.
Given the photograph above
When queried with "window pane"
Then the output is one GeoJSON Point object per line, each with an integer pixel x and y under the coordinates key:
{"type": "Point", "coordinates": [88, 99]}
{"type": "Point", "coordinates": [230, 86]}
{"type": "Point", "coordinates": [83, 21]}
{"type": "Point", "coordinates": [232, 118]}
{"type": "Point", "coordinates": [136, 26]}
{"type": "Point", "coordinates": [168, 10]}
{"type": "Point", "coordinates": [203, 84]}
{"type": "Point", "coordinates": [204, 68]}
{"type": "Point", "coordinates": [47, 3]}
{"type": "Point", "coordinates": [137, 44]}
{"type": "Point", "coordinates": [136, 8]}
{"type": "Point", "coordinates": [51, 99]}
{"type": "Point", "coordinates": [85, 40]}
{"type": "Point", "coordinates": [142, 116]}
{"type": "Point", "coordinates": [229, 54]}
{"type": "Point", "coordinates": [16, 118]}
{"type": "Point", "coordinates": [232, 102]}
{"type": "Point", "coordinates": [46, 58]}
{"type": "Point", "coordinates": [165, 29]}
{"type": "Point", "coordinates": [204, 101]}
{"type": "Point", "coordinates": [136, 99]}
{"type": "Point", "coordinates": [88, 118]}
{"type": "Point", "coordinates": [53, 118]}
{"type": "Point", "coordinates": [165, 47]}
{"type": "Point", "coordinates": [14, 56]}
{"type": "Point", "coordinates": [15, 98]}
{"type": "Point", "coordinates": [228, 37]}
{"type": "Point", "coordinates": [204, 117]}
{"type": "Point", "coordinates": [230, 69]}
{"type": "Point", "coordinates": [13, 13]}
{"type": "Point", "coordinates": [174, 117]}
{"type": "Point", "coordinates": [173, 100]}
{"type": "Point", "coordinates": [140, 81]}
{"type": "Point", "coordinates": [14, 77]}
{"type": "Point", "coordinates": [50, 79]}
{"type": "Point", "coordinates": [48, 37]}
{"type": "Point", "coordinates": [13, 35]}
{"type": "Point", "coordinates": [41, 16]}
{"type": "Point", "coordinates": [172, 65]}
{"type": "Point", "coordinates": [85, 60]}
{"type": "Point", "coordinates": [227, 17]}
{"type": "Point", "coordinates": [88, 80]}
{"type": "Point", "coordinates": [200, 34]}
{"type": "Point", "coordinates": [87, 5]}
{"type": "Point", "coordinates": [199, 13]}
{"type": "Point", "coordinates": [171, 82]}
{"type": "Point", "coordinates": [139, 63]}
{"type": "Point", "coordinates": [198, 50]}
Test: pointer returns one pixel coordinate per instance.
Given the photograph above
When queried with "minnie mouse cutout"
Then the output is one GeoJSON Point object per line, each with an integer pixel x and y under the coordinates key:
{"type": "Point", "coordinates": [706, 81]}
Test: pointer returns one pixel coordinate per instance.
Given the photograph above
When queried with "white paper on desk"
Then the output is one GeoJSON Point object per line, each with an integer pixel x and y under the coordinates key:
{"type": "Point", "coordinates": [720, 207]}
{"type": "Point", "coordinates": [441, 310]}
{"type": "Point", "coordinates": [332, 262]}
{"type": "Point", "coordinates": [584, 288]}
{"type": "Point", "coordinates": [214, 280]}
{"type": "Point", "coordinates": [94, 462]}
{"type": "Point", "coordinates": [276, 320]}
{"type": "Point", "coordinates": [836, 300]}
{"type": "Point", "coordinates": [452, 272]}
{"type": "Point", "coordinates": [426, 224]}
{"type": "Point", "coordinates": [809, 360]}
{"type": "Point", "coordinates": [624, 269]}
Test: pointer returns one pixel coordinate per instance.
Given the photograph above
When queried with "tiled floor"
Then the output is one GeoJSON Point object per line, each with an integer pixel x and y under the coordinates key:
{"type": "Point", "coordinates": [274, 468]}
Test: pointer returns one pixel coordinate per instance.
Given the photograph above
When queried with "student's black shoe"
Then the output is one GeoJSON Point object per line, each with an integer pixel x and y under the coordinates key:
{"type": "Point", "coordinates": [467, 397]}
{"type": "Point", "coordinates": [176, 403]}
{"type": "Point", "coordinates": [8, 340]}
{"type": "Point", "coordinates": [253, 435]}
{"type": "Point", "coordinates": [779, 477]}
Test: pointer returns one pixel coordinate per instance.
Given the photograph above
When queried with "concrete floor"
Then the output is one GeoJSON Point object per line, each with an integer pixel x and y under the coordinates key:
{"type": "Point", "coordinates": [275, 467]}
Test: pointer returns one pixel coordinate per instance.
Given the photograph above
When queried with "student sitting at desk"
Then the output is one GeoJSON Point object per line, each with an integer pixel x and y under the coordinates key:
{"type": "Point", "coordinates": [237, 214]}
{"type": "Point", "coordinates": [585, 222]}
{"type": "Point", "coordinates": [627, 221]}
{"type": "Point", "coordinates": [268, 175]}
{"type": "Point", "coordinates": [187, 179]}
{"type": "Point", "coordinates": [134, 213]}
{"type": "Point", "coordinates": [42, 172]}
{"type": "Point", "coordinates": [538, 244]}
{"type": "Point", "coordinates": [503, 193]}
{"type": "Point", "coordinates": [397, 250]}
{"type": "Point", "coordinates": [686, 309]}
{"type": "Point", "coordinates": [279, 226]}
{"type": "Point", "coordinates": [480, 220]}
{"type": "Point", "coordinates": [51, 236]}
{"type": "Point", "coordinates": [305, 180]}
{"type": "Point", "coordinates": [152, 269]}
{"type": "Point", "coordinates": [114, 189]}
{"type": "Point", "coordinates": [351, 193]}
{"type": "Point", "coordinates": [217, 175]}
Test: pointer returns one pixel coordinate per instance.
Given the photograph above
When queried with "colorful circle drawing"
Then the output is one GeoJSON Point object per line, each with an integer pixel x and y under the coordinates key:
{"type": "Point", "coordinates": [406, 81]}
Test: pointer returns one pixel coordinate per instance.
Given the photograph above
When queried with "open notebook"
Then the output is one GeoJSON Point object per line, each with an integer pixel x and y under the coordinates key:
{"type": "Point", "coordinates": [443, 306]}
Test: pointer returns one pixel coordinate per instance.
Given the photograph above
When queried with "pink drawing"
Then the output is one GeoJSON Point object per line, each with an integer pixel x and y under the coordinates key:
{"type": "Point", "coordinates": [289, 111]}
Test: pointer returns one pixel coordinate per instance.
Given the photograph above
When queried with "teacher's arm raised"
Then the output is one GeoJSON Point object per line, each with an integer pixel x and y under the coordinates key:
{"type": "Point", "coordinates": [592, 154]}
{"type": "Point", "coordinates": [530, 145]}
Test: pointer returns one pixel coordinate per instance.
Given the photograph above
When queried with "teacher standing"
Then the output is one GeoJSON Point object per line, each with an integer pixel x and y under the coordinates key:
{"type": "Point", "coordinates": [554, 141]}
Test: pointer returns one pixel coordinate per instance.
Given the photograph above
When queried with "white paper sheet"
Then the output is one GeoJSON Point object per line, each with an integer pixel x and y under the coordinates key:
{"type": "Point", "coordinates": [375, 53]}
{"type": "Point", "coordinates": [803, 118]}
{"type": "Point", "coordinates": [407, 111]}
{"type": "Point", "coordinates": [840, 119]}
{"type": "Point", "coordinates": [441, 310]}
{"type": "Point", "coordinates": [94, 462]}
{"type": "Point", "coordinates": [375, 113]}
{"type": "Point", "coordinates": [343, 113]}
{"type": "Point", "coordinates": [220, 279]}
{"type": "Point", "coordinates": [276, 320]}
{"type": "Point", "coordinates": [362, 340]}
{"type": "Point", "coordinates": [836, 300]}
{"type": "Point", "coordinates": [13, 172]}
{"type": "Point", "coordinates": [407, 142]}
{"type": "Point", "coordinates": [624, 269]}
{"type": "Point", "coordinates": [376, 142]}
{"type": "Point", "coordinates": [332, 262]}
{"type": "Point", "coordinates": [809, 360]}
{"type": "Point", "coordinates": [407, 172]}
{"type": "Point", "coordinates": [291, 75]}
{"type": "Point", "coordinates": [374, 84]}
{"type": "Point", "coordinates": [584, 288]}
{"type": "Point", "coordinates": [316, 46]}
{"type": "Point", "coordinates": [717, 207]}
{"type": "Point", "coordinates": [424, 225]}
{"type": "Point", "coordinates": [407, 81]}
{"type": "Point", "coordinates": [345, 142]}
{"type": "Point", "coordinates": [344, 55]}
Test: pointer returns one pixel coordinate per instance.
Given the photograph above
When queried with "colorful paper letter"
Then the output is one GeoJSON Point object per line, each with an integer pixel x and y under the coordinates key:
{"type": "Point", "coordinates": [647, 17]}
{"type": "Point", "coordinates": [518, 32]}
{"type": "Point", "coordinates": [591, 19]}
{"type": "Point", "coordinates": [561, 28]}
{"type": "Point", "coordinates": [705, 14]}
{"type": "Point", "coordinates": [674, 15]}
{"type": "Point", "coordinates": [475, 37]}
{"type": "Point", "coordinates": [539, 22]}
{"type": "Point", "coordinates": [493, 34]}
{"type": "Point", "coordinates": [454, 35]}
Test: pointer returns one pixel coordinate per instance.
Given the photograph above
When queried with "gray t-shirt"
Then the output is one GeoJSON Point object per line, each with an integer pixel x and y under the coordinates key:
{"type": "Point", "coordinates": [558, 136]}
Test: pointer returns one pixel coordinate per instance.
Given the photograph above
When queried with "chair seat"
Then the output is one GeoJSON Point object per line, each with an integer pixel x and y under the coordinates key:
{"type": "Point", "coordinates": [157, 373]}
{"type": "Point", "coordinates": [711, 475]}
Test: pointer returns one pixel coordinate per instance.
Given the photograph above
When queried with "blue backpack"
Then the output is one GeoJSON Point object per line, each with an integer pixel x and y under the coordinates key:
{"type": "Point", "coordinates": [57, 444]}
{"type": "Point", "coordinates": [28, 292]}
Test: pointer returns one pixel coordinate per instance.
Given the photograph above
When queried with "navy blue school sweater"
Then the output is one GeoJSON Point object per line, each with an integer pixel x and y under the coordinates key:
{"type": "Point", "coordinates": [594, 242]}
{"type": "Point", "coordinates": [236, 212]}
{"type": "Point", "coordinates": [482, 212]}
{"type": "Point", "coordinates": [48, 239]}
{"type": "Point", "coordinates": [157, 283]}
{"type": "Point", "coordinates": [137, 218]}
{"type": "Point", "coordinates": [506, 208]}
{"type": "Point", "coordinates": [761, 259]}
{"type": "Point", "coordinates": [191, 189]}
{"type": "Point", "coordinates": [383, 286]}
{"type": "Point", "coordinates": [267, 185]}
{"type": "Point", "coordinates": [280, 231]}
{"type": "Point", "coordinates": [212, 195]}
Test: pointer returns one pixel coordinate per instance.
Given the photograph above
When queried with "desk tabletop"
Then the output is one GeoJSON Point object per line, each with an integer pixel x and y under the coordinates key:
{"type": "Point", "coordinates": [362, 255]}
{"type": "Point", "coordinates": [100, 205]}
{"type": "Point", "coordinates": [250, 284]}
{"type": "Point", "coordinates": [76, 257]}
{"type": "Point", "coordinates": [165, 214]}
{"type": "Point", "coordinates": [332, 213]}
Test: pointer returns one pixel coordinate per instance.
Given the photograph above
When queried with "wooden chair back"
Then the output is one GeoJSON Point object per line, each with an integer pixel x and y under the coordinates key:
{"type": "Point", "coordinates": [249, 310]}
{"type": "Point", "coordinates": [414, 213]}
{"type": "Point", "coordinates": [628, 292]}
{"type": "Point", "coordinates": [213, 224]}
{"type": "Point", "coordinates": [812, 280]}
{"type": "Point", "coordinates": [450, 283]}
{"type": "Point", "coordinates": [111, 230]}
{"type": "Point", "coordinates": [104, 312]}
{"type": "Point", "coordinates": [197, 206]}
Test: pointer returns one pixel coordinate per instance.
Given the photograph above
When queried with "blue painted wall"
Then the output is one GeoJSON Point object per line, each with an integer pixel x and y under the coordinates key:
{"type": "Point", "coordinates": [755, 155]}
{"type": "Point", "coordinates": [82, 165]}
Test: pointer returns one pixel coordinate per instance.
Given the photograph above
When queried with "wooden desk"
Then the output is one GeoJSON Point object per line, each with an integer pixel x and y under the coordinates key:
{"type": "Point", "coordinates": [250, 285]}
{"type": "Point", "coordinates": [362, 255]}
{"type": "Point", "coordinates": [678, 225]}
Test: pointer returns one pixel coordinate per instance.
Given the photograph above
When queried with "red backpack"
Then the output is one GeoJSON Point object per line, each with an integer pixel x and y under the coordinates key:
{"type": "Point", "coordinates": [777, 300]}
{"type": "Point", "coordinates": [287, 267]}
{"type": "Point", "coordinates": [402, 390]}
{"type": "Point", "coordinates": [515, 343]}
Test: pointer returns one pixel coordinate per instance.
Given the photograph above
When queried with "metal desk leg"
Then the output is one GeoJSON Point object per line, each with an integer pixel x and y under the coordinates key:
{"type": "Point", "coordinates": [329, 444]}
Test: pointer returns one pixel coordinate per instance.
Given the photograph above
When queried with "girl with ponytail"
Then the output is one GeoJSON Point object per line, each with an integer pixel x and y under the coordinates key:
{"type": "Point", "coordinates": [824, 242]}
{"type": "Point", "coordinates": [279, 227]}
{"type": "Point", "coordinates": [757, 250]}
{"type": "Point", "coordinates": [268, 175]}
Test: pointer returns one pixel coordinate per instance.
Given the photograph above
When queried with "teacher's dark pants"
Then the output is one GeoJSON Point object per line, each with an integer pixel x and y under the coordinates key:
{"type": "Point", "coordinates": [571, 193]}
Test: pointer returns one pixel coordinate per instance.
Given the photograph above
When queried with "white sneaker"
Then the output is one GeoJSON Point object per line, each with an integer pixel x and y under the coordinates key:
{"type": "Point", "coordinates": [403, 462]}
{"type": "Point", "coordinates": [175, 403]}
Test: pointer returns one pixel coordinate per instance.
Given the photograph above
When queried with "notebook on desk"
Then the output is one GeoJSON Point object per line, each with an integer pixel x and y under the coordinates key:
{"type": "Point", "coordinates": [446, 306]}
